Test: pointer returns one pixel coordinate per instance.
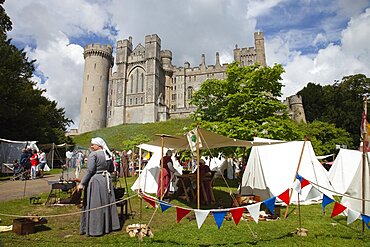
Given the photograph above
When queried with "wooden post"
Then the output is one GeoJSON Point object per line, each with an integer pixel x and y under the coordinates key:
{"type": "Point", "coordinates": [52, 155]}
{"type": "Point", "coordinates": [161, 171]}
{"type": "Point", "coordinates": [198, 170]}
{"type": "Point", "coordinates": [295, 177]}
{"type": "Point", "coordinates": [364, 149]}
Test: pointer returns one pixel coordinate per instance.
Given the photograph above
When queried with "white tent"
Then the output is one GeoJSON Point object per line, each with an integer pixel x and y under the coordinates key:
{"type": "Point", "coordinates": [149, 176]}
{"type": "Point", "coordinates": [271, 170]}
{"type": "Point", "coordinates": [346, 178]}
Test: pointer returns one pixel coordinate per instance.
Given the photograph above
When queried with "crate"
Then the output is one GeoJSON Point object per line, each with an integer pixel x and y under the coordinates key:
{"type": "Point", "coordinates": [23, 226]}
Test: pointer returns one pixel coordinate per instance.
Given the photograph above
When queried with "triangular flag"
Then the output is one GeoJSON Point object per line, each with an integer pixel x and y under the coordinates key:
{"type": "Point", "coordinates": [325, 201]}
{"type": "Point", "coordinates": [237, 214]}
{"type": "Point", "coordinates": [313, 193]}
{"type": "Point", "coordinates": [297, 185]}
{"type": "Point", "coordinates": [181, 213]}
{"type": "Point", "coordinates": [304, 183]}
{"type": "Point", "coordinates": [338, 208]}
{"type": "Point", "coordinates": [270, 204]}
{"type": "Point", "coordinates": [352, 216]}
{"type": "Point", "coordinates": [366, 219]}
{"type": "Point", "coordinates": [164, 205]}
{"type": "Point", "coordinates": [254, 210]}
{"type": "Point", "coordinates": [201, 216]}
{"type": "Point", "coordinates": [219, 217]}
{"type": "Point", "coordinates": [285, 196]}
{"type": "Point", "coordinates": [150, 201]}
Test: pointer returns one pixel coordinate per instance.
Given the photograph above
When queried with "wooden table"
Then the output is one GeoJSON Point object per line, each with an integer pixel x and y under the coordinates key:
{"type": "Point", "coordinates": [188, 183]}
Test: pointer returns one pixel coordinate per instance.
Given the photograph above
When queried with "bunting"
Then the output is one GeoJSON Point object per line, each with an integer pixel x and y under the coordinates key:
{"type": "Point", "coordinates": [201, 216]}
{"type": "Point", "coordinates": [164, 205]}
{"type": "Point", "coordinates": [219, 217]}
{"type": "Point", "coordinates": [270, 204]}
{"type": "Point", "coordinates": [313, 193]}
{"type": "Point", "coordinates": [181, 213]}
{"type": "Point", "coordinates": [352, 216]}
{"type": "Point", "coordinates": [285, 197]}
{"type": "Point", "coordinates": [338, 208]}
{"type": "Point", "coordinates": [366, 219]}
{"type": "Point", "coordinates": [326, 201]}
{"type": "Point", "coordinates": [254, 210]}
{"type": "Point", "coordinates": [150, 200]}
{"type": "Point", "coordinates": [237, 213]}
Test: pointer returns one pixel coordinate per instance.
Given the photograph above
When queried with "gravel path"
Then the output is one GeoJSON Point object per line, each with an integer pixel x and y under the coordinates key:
{"type": "Point", "coordinates": [10, 190]}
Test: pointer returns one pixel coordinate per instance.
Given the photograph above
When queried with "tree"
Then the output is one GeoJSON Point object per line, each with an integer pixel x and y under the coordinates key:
{"type": "Point", "coordinates": [25, 113]}
{"type": "Point", "coordinates": [340, 104]}
{"type": "Point", "coordinates": [245, 104]}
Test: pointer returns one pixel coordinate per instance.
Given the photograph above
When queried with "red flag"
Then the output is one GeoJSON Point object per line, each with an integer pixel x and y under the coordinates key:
{"type": "Point", "coordinates": [150, 201]}
{"type": "Point", "coordinates": [181, 213]}
{"type": "Point", "coordinates": [338, 208]}
{"type": "Point", "coordinates": [237, 214]}
{"type": "Point", "coordinates": [304, 183]}
{"type": "Point", "coordinates": [285, 196]}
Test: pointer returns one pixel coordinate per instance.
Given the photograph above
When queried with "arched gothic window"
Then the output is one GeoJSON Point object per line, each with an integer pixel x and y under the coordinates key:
{"type": "Point", "coordinates": [190, 93]}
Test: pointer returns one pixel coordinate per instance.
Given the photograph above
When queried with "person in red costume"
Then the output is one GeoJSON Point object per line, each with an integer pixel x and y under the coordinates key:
{"type": "Point", "coordinates": [166, 173]}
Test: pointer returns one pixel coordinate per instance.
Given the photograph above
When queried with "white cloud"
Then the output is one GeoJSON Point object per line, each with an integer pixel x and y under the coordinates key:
{"type": "Point", "coordinates": [330, 63]}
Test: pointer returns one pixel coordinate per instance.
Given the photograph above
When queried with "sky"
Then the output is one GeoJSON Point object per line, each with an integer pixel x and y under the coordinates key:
{"type": "Point", "coordinates": [318, 41]}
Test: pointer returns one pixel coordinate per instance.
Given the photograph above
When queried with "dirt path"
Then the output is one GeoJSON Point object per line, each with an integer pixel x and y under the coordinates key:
{"type": "Point", "coordinates": [10, 190]}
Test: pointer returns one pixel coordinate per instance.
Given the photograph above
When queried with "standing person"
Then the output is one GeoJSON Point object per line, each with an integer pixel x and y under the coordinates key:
{"type": "Point", "coordinates": [124, 164]}
{"type": "Point", "coordinates": [79, 160]}
{"type": "Point", "coordinates": [34, 162]}
{"type": "Point", "coordinates": [98, 192]}
{"type": "Point", "coordinates": [165, 176]}
{"type": "Point", "coordinates": [118, 163]}
{"type": "Point", "coordinates": [42, 160]}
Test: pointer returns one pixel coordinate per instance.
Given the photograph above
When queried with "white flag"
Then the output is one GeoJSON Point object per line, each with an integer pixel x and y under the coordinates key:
{"type": "Point", "coordinates": [313, 193]}
{"type": "Point", "coordinates": [254, 210]}
{"type": "Point", "coordinates": [201, 216]}
{"type": "Point", "coordinates": [352, 216]}
{"type": "Point", "coordinates": [192, 139]}
{"type": "Point", "coordinates": [297, 186]}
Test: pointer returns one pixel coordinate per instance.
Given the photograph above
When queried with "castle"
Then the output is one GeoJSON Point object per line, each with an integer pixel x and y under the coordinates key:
{"type": "Point", "coordinates": [146, 86]}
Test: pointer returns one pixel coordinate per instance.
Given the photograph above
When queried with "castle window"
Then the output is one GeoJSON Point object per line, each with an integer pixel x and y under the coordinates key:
{"type": "Point", "coordinates": [111, 102]}
{"type": "Point", "coordinates": [93, 88]}
{"type": "Point", "coordinates": [130, 101]}
{"type": "Point", "coordinates": [135, 101]}
{"type": "Point", "coordinates": [99, 101]}
{"type": "Point", "coordinates": [190, 93]}
{"type": "Point", "coordinates": [110, 113]}
{"type": "Point", "coordinates": [85, 99]}
{"type": "Point", "coordinates": [142, 100]}
{"type": "Point", "coordinates": [132, 84]}
{"type": "Point", "coordinates": [173, 96]}
{"type": "Point", "coordinates": [91, 111]}
{"type": "Point", "coordinates": [101, 77]}
{"type": "Point", "coordinates": [142, 82]}
{"type": "Point", "coordinates": [137, 81]}
{"type": "Point", "coordinates": [94, 65]}
{"type": "Point", "coordinates": [88, 77]}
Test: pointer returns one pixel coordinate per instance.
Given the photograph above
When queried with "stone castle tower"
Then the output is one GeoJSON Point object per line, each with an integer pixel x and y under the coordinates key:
{"type": "Point", "coordinates": [146, 86]}
{"type": "Point", "coordinates": [295, 108]}
{"type": "Point", "coordinates": [98, 64]}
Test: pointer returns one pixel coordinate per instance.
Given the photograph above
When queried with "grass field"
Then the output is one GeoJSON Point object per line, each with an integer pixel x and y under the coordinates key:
{"type": "Point", "coordinates": [64, 231]}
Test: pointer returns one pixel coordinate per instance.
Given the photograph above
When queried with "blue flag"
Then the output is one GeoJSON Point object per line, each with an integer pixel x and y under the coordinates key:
{"type": "Point", "coordinates": [270, 204]}
{"type": "Point", "coordinates": [164, 205]}
{"type": "Point", "coordinates": [326, 201]}
{"type": "Point", "coordinates": [366, 219]}
{"type": "Point", "coordinates": [219, 217]}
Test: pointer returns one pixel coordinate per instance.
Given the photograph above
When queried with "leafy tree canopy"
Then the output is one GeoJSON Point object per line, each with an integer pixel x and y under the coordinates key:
{"type": "Point", "coordinates": [340, 104]}
{"type": "Point", "coordinates": [25, 113]}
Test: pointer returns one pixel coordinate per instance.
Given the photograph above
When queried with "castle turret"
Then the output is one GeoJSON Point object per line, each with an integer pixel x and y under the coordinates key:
{"type": "Point", "coordinates": [259, 43]}
{"type": "Point", "coordinates": [166, 56]}
{"type": "Point", "coordinates": [217, 65]}
{"type": "Point", "coordinates": [296, 110]}
{"type": "Point", "coordinates": [93, 111]}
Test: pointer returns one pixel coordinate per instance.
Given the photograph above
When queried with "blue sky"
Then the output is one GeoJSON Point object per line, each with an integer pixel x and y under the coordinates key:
{"type": "Point", "coordinates": [315, 40]}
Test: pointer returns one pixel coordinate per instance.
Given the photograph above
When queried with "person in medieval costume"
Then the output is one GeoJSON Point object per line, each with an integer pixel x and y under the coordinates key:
{"type": "Point", "coordinates": [165, 175]}
{"type": "Point", "coordinates": [98, 192]}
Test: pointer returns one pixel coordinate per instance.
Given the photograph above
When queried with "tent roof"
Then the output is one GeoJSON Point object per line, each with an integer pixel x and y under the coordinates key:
{"type": "Point", "coordinates": [208, 140]}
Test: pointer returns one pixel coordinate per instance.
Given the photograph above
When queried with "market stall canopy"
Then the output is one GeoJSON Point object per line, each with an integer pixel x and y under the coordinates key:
{"type": "Point", "coordinates": [208, 140]}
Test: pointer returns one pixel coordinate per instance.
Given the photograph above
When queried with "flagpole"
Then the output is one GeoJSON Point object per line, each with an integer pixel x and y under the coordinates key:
{"type": "Point", "coordinates": [198, 169]}
{"type": "Point", "coordinates": [295, 176]}
{"type": "Point", "coordinates": [364, 149]}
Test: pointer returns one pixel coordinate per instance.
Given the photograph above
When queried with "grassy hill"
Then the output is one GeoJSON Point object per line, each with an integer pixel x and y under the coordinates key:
{"type": "Point", "coordinates": [117, 135]}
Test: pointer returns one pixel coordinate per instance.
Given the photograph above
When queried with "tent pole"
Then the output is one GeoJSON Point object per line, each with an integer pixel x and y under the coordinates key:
{"type": "Point", "coordinates": [139, 190]}
{"type": "Point", "coordinates": [295, 176]}
{"type": "Point", "coordinates": [198, 170]}
{"type": "Point", "coordinates": [52, 155]}
{"type": "Point", "coordinates": [161, 171]}
{"type": "Point", "coordinates": [364, 149]}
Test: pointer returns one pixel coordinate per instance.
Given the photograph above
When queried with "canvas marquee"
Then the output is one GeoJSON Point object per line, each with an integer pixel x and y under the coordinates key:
{"type": "Point", "coordinates": [346, 178]}
{"type": "Point", "coordinates": [271, 170]}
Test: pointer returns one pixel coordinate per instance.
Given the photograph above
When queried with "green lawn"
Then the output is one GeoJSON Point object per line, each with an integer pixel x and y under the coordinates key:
{"type": "Point", "coordinates": [64, 231]}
